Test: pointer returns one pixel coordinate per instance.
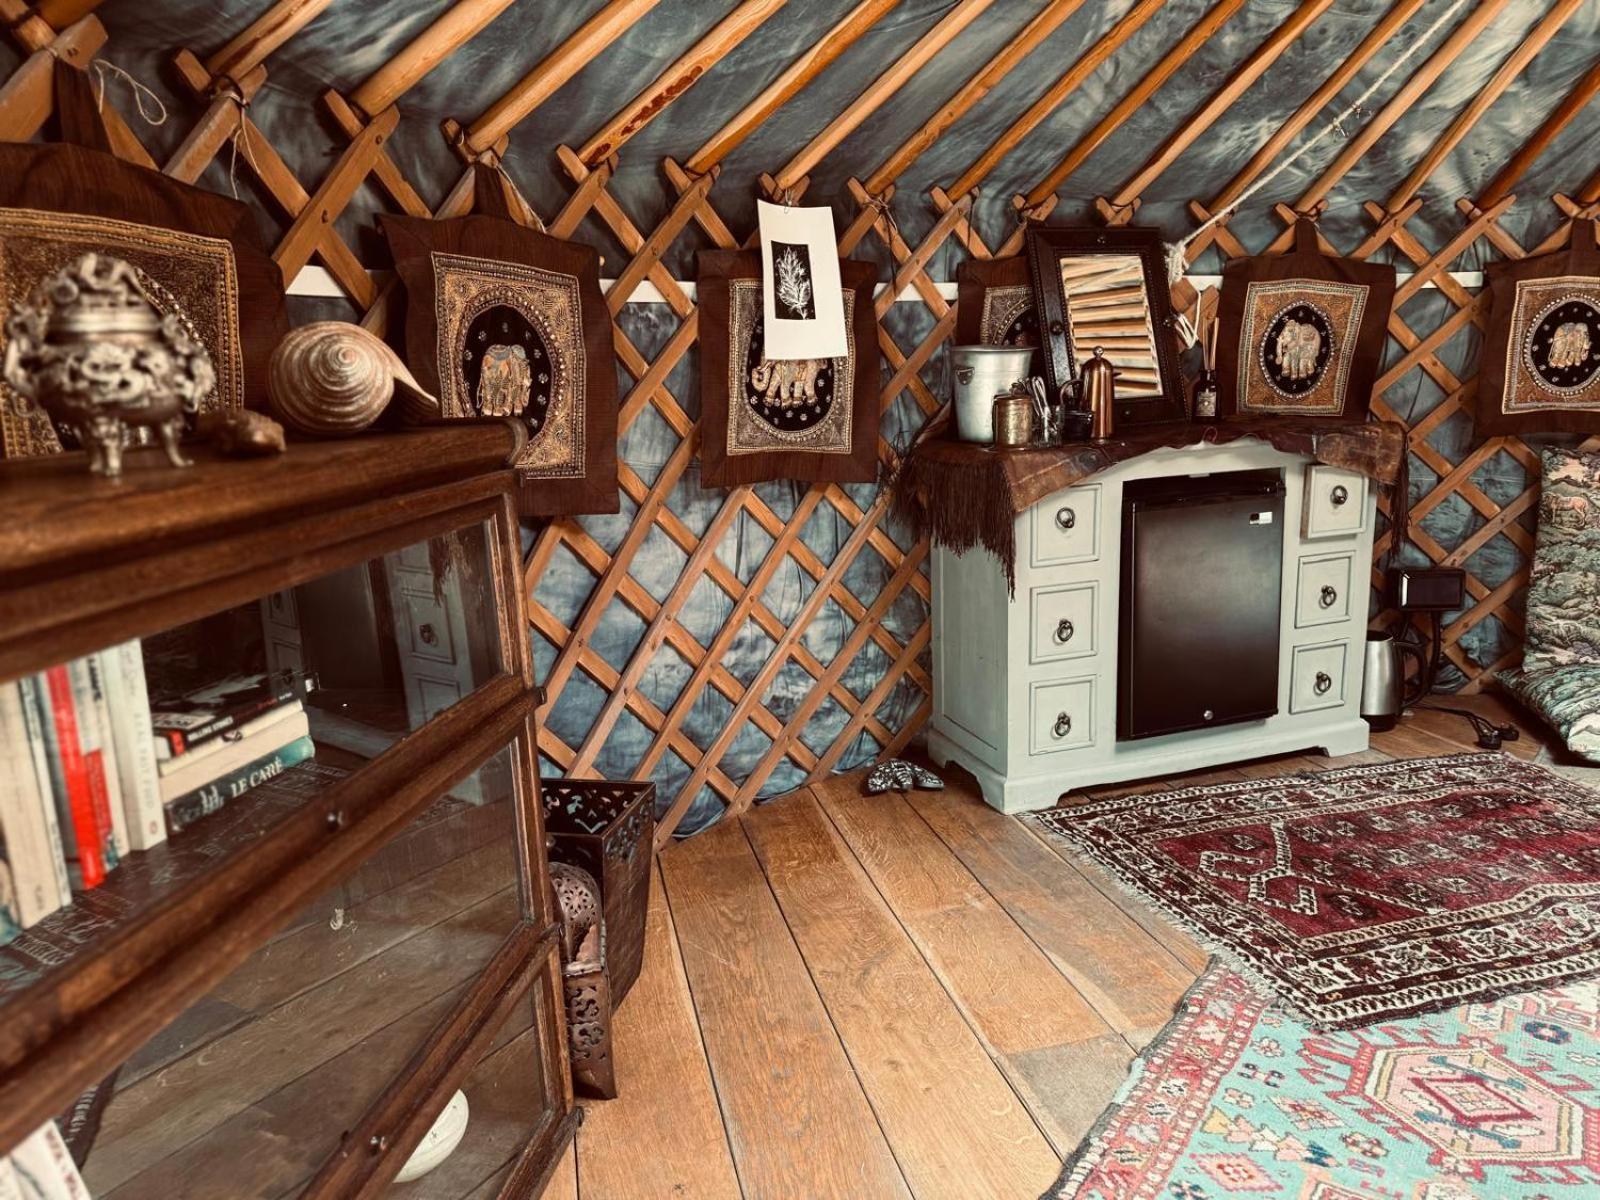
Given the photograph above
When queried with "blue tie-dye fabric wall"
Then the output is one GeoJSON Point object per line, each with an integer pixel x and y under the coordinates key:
{"type": "Point", "coordinates": [352, 38]}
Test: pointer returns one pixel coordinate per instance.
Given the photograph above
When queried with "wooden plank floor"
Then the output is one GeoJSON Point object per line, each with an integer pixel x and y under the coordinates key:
{"type": "Point", "coordinates": [913, 998]}
{"type": "Point", "coordinates": [862, 997]}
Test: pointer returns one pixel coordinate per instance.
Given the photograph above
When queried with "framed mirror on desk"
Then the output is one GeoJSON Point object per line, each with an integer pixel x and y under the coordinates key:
{"type": "Point", "coordinates": [1107, 289]}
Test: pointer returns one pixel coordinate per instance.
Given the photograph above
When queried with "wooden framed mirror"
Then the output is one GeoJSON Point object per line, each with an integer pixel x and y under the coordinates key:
{"type": "Point", "coordinates": [1107, 288]}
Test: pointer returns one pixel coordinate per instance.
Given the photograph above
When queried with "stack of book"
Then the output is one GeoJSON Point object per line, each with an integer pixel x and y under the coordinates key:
{"type": "Point", "coordinates": [91, 771]}
{"type": "Point", "coordinates": [214, 744]}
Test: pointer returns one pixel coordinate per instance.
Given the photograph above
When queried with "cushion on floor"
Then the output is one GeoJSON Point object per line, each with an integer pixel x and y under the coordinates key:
{"type": "Point", "coordinates": [1568, 698]}
{"type": "Point", "coordinates": [1563, 618]}
{"type": "Point", "coordinates": [1560, 676]}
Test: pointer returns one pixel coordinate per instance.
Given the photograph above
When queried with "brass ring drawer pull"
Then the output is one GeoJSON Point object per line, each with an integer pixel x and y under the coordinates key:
{"type": "Point", "coordinates": [1329, 596]}
{"type": "Point", "coordinates": [1339, 495]}
{"type": "Point", "coordinates": [1063, 726]}
{"type": "Point", "coordinates": [1064, 631]}
{"type": "Point", "coordinates": [1066, 518]}
{"type": "Point", "coordinates": [1322, 683]}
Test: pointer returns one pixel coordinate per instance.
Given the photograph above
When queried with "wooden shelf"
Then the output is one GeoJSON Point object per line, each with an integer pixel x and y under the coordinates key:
{"type": "Point", "coordinates": [87, 563]}
{"type": "Point", "coordinates": [140, 886]}
{"type": "Point", "coordinates": [60, 518]}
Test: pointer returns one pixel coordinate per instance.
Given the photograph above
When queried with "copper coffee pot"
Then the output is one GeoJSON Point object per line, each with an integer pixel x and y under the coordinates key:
{"type": "Point", "coordinates": [1099, 394]}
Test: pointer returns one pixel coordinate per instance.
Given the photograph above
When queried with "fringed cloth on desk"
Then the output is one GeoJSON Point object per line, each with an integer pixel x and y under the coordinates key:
{"type": "Point", "coordinates": [961, 495]}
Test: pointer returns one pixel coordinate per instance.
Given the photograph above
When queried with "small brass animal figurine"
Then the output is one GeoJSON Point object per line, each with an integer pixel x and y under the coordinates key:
{"type": "Point", "coordinates": [242, 433]}
{"type": "Point", "coordinates": [91, 349]}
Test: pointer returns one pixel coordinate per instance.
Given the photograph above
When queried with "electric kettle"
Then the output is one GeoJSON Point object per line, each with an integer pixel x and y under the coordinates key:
{"type": "Point", "coordinates": [1383, 685]}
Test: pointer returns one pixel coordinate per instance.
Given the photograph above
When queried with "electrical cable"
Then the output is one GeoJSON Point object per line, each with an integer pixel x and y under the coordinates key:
{"type": "Point", "coordinates": [1490, 735]}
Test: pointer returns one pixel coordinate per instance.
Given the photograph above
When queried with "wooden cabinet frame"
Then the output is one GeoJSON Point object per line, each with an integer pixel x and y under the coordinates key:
{"type": "Point", "coordinates": [68, 589]}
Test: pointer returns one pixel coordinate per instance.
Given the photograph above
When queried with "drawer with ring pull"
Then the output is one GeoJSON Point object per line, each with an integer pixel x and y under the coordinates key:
{"type": "Point", "coordinates": [1317, 677]}
{"type": "Point", "coordinates": [1335, 504]}
{"type": "Point", "coordinates": [1062, 716]}
{"type": "Point", "coordinates": [1062, 625]}
{"type": "Point", "coordinates": [1066, 527]}
{"type": "Point", "coordinates": [1322, 595]}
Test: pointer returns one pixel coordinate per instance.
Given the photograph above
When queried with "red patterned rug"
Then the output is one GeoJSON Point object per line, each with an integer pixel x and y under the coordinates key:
{"type": "Point", "coordinates": [1372, 892]}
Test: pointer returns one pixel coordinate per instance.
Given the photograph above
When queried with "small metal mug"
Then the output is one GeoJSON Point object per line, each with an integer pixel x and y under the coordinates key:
{"type": "Point", "coordinates": [1013, 419]}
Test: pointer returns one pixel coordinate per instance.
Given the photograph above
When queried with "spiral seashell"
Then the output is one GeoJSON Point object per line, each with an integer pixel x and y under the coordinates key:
{"type": "Point", "coordinates": [332, 378]}
{"type": "Point", "coordinates": [414, 402]}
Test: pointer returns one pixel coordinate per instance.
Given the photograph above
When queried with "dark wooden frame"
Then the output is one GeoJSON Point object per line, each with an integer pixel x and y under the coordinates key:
{"type": "Point", "coordinates": [1047, 247]}
{"type": "Point", "coordinates": [77, 574]}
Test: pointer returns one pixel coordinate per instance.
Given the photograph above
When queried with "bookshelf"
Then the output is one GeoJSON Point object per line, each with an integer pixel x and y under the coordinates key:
{"type": "Point", "coordinates": [408, 849]}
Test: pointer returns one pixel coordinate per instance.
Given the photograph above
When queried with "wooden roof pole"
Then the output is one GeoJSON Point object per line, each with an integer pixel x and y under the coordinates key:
{"type": "Point", "coordinates": [1243, 76]}
{"type": "Point", "coordinates": [1416, 83]}
{"type": "Point", "coordinates": [1049, 19]}
{"type": "Point", "coordinates": [27, 98]}
{"type": "Point", "coordinates": [799, 73]}
{"type": "Point", "coordinates": [557, 67]}
{"type": "Point", "coordinates": [1200, 33]}
{"type": "Point", "coordinates": [454, 28]}
{"type": "Point", "coordinates": [251, 46]}
{"type": "Point", "coordinates": [880, 89]}
{"type": "Point", "coordinates": [31, 31]}
{"type": "Point", "coordinates": [1589, 193]}
{"type": "Point", "coordinates": [1517, 165]}
{"type": "Point", "coordinates": [1087, 64]}
{"type": "Point", "coordinates": [1375, 40]}
{"type": "Point", "coordinates": [1513, 66]}
{"type": "Point", "coordinates": [61, 13]}
{"type": "Point", "coordinates": [677, 79]}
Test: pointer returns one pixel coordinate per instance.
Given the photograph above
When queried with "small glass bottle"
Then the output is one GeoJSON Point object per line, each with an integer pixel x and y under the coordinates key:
{"type": "Point", "coordinates": [1204, 392]}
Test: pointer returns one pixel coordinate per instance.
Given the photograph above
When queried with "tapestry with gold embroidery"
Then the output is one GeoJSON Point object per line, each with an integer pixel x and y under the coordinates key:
{"type": "Point", "coordinates": [1541, 355]}
{"type": "Point", "coordinates": [995, 307]}
{"type": "Point", "coordinates": [197, 256]}
{"type": "Point", "coordinates": [809, 419]}
{"type": "Point", "coordinates": [1301, 334]}
{"type": "Point", "coordinates": [504, 321]}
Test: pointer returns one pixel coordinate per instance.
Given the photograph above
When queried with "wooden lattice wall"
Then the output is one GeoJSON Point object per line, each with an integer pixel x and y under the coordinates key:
{"type": "Point", "coordinates": [225, 78]}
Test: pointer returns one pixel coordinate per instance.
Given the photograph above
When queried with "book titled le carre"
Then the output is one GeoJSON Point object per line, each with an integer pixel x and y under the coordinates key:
{"type": "Point", "coordinates": [185, 808]}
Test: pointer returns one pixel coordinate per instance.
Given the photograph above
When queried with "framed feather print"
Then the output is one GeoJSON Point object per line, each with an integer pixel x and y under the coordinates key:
{"type": "Point", "coordinates": [763, 418]}
{"type": "Point", "coordinates": [802, 300]}
{"type": "Point", "coordinates": [503, 321]}
{"type": "Point", "coordinates": [1541, 358]}
{"type": "Point", "coordinates": [1301, 334]}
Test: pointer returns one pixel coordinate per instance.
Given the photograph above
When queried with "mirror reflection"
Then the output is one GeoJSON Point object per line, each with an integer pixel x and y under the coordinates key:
{"type": "Point", "coordinates": [1107, 307]}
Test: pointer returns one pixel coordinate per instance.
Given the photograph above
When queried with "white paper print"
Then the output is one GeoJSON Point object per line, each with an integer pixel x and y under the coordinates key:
{"type": "Point", "coordinates": [802, 303]}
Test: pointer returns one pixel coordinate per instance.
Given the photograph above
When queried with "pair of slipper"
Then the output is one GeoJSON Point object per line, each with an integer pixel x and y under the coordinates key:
{"type": "Point", "coordinates": [898, 775]}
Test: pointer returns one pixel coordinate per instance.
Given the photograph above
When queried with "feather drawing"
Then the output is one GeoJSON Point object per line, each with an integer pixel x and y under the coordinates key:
{"type": "Point", "coordinates": [794, 284]}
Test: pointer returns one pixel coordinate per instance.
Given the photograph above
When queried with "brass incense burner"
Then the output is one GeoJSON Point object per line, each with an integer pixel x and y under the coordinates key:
{"type": "Point", "coordinates": [90, 348]}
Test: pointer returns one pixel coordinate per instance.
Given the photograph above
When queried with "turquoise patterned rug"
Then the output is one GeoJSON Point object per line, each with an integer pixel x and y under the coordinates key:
{"type": "Point", "coordinates": [1235, 1099]}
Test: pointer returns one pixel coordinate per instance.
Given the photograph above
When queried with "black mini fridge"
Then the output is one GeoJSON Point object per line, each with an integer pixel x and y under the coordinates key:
{"type": "Point", "coordinates": [1202, 568]}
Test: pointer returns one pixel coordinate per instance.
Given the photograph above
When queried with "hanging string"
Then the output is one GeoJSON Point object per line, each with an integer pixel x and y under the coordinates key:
{"type": "Point", "coordinates": [1177, 260]}
{"type": "Point", "coordinates": [881, 206]}
{"type": "Point", "coordinates": [240, 135]}
{"type": "Point", "coordinates": [148, 103]}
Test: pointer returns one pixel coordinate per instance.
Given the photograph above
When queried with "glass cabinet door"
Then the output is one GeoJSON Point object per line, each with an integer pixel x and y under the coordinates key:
{"type": "Point", "coordinates": [277, 852]}
{"type": "Point", "coordinates": [258, 1084]}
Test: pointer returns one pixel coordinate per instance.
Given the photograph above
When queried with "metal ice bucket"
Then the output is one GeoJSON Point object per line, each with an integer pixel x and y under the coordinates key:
{"type": "Point", "coordinates": [977, 375]}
